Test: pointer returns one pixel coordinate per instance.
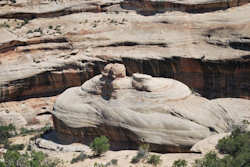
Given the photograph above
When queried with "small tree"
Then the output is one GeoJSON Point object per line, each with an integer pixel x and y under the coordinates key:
{"type": "Point", "coordinates": [100, 145]}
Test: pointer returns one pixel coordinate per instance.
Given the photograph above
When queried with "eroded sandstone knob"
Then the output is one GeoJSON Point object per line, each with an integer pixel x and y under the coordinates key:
{"type": "Point", "coordinates": [114, 71]}
{"type": "Point", "coordinates": [139, 109]}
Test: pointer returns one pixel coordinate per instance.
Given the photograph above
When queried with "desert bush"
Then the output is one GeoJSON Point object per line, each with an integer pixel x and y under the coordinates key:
{"type": "Point", "coordinates": [114, 161]}
{"type": "Point", "coordinates": [81, 157]}
{"type": "Point", "coordinates": [154, 159]}
{"type": "Point", "coordinates": [210, 160]}
{"type": "Point", "coordinates": [25, 131]}
{"type": "Point", "coordinates": [141, 154]}
{"type": "Point", "coordinates": [34, 159]}
{"type": "Point", "coordinates": [180, 163]}
{"type": "Point", "coordinates": [135, 159]}
{"type": "Point", "coordinates": [100, 145]}
{"type": "Point", "coordinates": [235, 144]}
{"type": "Point", "coordinates": [14, 146]}
{"type": "Point", "coordinates": [6, 132]}
{"type": "Point", "coordinates": [237, 150]}
{"type": "Point", "coordinates": [99, 165]}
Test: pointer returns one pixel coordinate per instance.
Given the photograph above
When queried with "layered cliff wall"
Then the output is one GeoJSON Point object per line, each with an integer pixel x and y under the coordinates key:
{"type": "Point", "coordinates": [42, 55]}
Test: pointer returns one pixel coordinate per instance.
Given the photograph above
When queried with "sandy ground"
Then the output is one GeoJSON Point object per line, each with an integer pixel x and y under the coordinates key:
{"type": "Point", "coordinates": [123, 158]}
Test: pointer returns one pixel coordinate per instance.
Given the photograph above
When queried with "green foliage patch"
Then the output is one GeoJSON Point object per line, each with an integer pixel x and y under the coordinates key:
{"type": "Point", "coordinates": [154, 160]}
{"type": "Point", "coordinates": [100, 145]}
{"type": "Point", "coordinates": [180, 163]}
{"type": "Point", "coordinates": [34, 159]}
{"type": "Point", "coordinates": [236, 148]}
{"type": "Point", "coordinates": [81, 157]}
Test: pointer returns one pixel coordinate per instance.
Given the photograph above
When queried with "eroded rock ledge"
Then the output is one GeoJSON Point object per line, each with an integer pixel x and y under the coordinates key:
{"type": "Point", "coordinates": [142, 109]}
{"type": "Point", "coordinates": [150, 7]}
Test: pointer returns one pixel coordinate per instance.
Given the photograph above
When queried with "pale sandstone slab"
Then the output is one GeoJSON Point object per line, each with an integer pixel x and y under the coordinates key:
{"type": "Point", "coordinates": [163, 113]}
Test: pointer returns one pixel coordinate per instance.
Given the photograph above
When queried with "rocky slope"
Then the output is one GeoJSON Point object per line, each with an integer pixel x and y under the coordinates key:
{"type": "Point", "coordinates": [142, 109]}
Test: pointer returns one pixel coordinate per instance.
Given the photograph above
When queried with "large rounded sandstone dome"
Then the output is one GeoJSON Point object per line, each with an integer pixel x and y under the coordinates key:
{"type": "Point", "coordinates": [141, 109]}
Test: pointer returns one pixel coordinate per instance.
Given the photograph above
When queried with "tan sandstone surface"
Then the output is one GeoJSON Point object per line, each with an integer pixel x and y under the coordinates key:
{"type": "Point", "coordinates": [48, 46]}
{"type": "Point", "coordinates": [44, 55]}
{"type": "Point", "coordinates": [142, 109]}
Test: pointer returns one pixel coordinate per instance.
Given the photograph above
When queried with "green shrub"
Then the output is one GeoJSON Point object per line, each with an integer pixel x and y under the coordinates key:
{"type": "Point", "coordinates": [80, 157]}
{"type": "Point", "coordinates": [154, 159]}
{"type": "Point", "coordinates": [14, 147]}
{"type": "Point", "coordinates": [141, 154]}
{"type": "Point", "coordinates": [237, 148]}
{"type": "Point", "coordinates": [100, 145]}
{"type": "Point", "coordinates": [114, 161]}
{"type": "Point", "coordinates": [235, 144]}
{"type": "Point", "coordinates": [6, 132]}
{"type": "Point", "coordinates": [99, 165]}
{"type": "Point", "coordinates": [33, 159]}
{"type": "Point", "coordinates": [180, 163]}
{"type": "Point", "coordinates": [210, 160]}
{"type": "Point", "coordinates": [135, 159]}
{"type": "Point", "coordinates": [25, 131]}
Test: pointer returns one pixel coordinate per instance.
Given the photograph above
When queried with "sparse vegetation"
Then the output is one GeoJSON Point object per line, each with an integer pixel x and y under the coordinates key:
{"type": "Point", "coordinates": [14, 146]}
{"type": "Point", "coordinates": [81, 157]}
{"type": "Point", "coordinates": [237, 150]}
{"type": "Point", "coordinates": [180, 163]}
{"type": "Point", "coordinates": [141, 154]}
{"type": "Point", "coordinates": [6, 132]}
{"type": "Point", "coordinates": [154, 160]}
{"type": "Point", "coordinates": [50, 27]}
{"type": "Point", "coordinates": [210, 160]}
{"type": "Point", "coordinates": [114, 162]}
{"type": "Point", "coordinates": [100, 145]}
{"type": "Point", "coordinates": [38, 30]}
{"type": "Point", "coordinates": [4, 25]}
{"type": "Point", "coordinates": [32, 159]}
{"type": "Point", "coordinates": [23, 23]}
{"type": "Point", "coordinates": [25, 131]}
{"type": "Point", "coordinates": [99, 165]}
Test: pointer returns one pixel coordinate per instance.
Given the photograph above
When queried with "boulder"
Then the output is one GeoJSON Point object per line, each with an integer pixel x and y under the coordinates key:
{"type": "Point", "coordinates": [208, 144]}
{"type": "Point", "coordinates": [53, 146]}
{"type": "Point", "coordinates": [139, 109]}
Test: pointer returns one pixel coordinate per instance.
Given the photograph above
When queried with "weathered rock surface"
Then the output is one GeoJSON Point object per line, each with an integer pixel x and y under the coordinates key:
{"type": "Point", "coordinates": [56, 50]}
{"type": "Point", "coordinates": [149, 7]}
{"type": "Point", "coordinates": [208, 144]}
{"type": "Point", "coordinates": [50, 145]}
{"type": "Point", "coordinates": [138, 109]}
{"type": "Point", "coordinates": [16, 119]}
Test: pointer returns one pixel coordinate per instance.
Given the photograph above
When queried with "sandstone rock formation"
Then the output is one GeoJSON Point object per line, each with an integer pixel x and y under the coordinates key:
{"type": "Point", "coordinates": [16, 119]}
{"type": "Point", "coordinates": [50, 145]}
{"type": "Point", "coordinates": [141, 109]}
{"type": "Point", "coordinates": [208, 144]}
{"type": "Point", "coordinates": [150, 7]}
{"type": "Point", "coordinates": [47, 47]}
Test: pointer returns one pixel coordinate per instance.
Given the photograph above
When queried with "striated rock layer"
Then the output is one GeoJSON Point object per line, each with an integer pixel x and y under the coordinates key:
{"type": "Point", "coordinates": [142, 109]}
{"type": "Point", "coordinates": [57, 45]}
{"type": "Point", "coordinates": [149, 7]}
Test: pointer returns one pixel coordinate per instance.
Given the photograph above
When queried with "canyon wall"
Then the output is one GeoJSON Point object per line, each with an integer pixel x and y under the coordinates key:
{"type": "Point", "coordinates": [48, 47]}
